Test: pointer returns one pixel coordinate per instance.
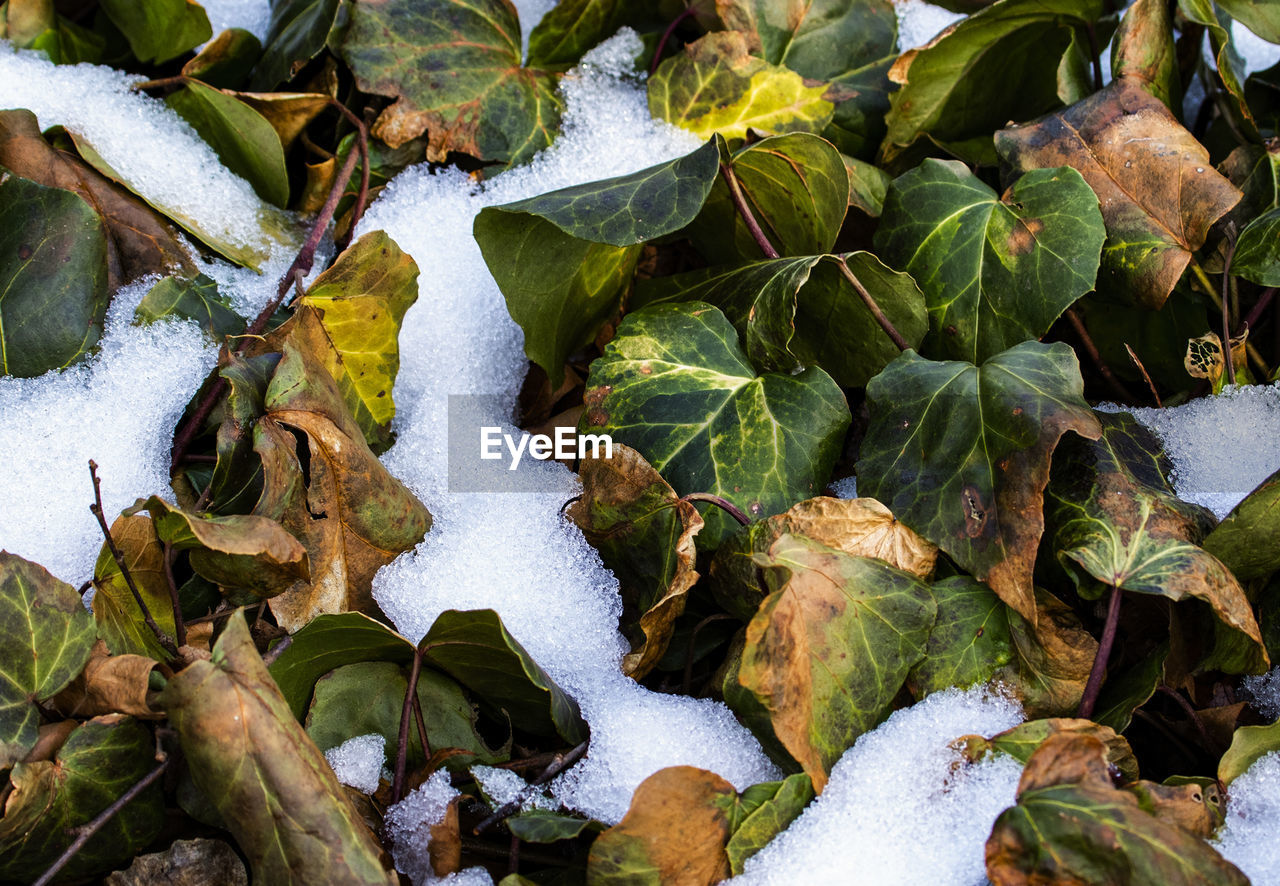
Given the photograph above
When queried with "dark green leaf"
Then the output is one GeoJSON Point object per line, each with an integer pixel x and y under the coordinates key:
{"type": "Point", "coordinates": [764, 811]}
{"type": "Point", "coordinates": [100, 760]}
{"type": "Point", "coordinates": [674, 385]}
{"type": "Point", "coordinates": [995, 271]}
{"type": "Point", "coordinates": [475, 649]}
{"type": "Point", "coordinates": [572, 27]}
{"type": "Point", "coordinates": [242, 138]}
{"type": "Point", "coordinates": [53, 277]}
{"type": "Point", "coordinates": [544, 826]}
{"type": "Point", "coordinates": [236, 484]}
{"type": "Point", "coordinates": [297, 33]}
{"type": "Point", "coordinates": [827, 651]}
{"type": "Point", "coordinates": [1259, 16]}
{"type": "Point", "coordinates": [1229, 62]}
{"type": "Point", "coordinates": [970, 641]}
{"type": "Point", "coordinates": [48, 637]}
{"type": "Point", "coordinates": [1257, 256]}
{"type": "Point", "coordinates": [820, 40]}
{"type": "Point", "coordinates": [1244, 540]}
{"type": "Point", "coordinates": [195, 299]}
{"type": "Point", "coordinates": [158, 30]}
{"type": "Point", "coordinates": [961, 454]}
{"type": "Point", "coordinates": [1125, 692]}
{"type": "Point", "coordinates": [226, 60]}
{"type": "Point", "coordinates": [454, 69]}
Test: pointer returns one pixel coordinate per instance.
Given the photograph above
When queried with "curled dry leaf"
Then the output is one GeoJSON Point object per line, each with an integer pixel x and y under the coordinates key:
{"type": "Point", "coordinates": [111, 684]}
{"type": "Point", "coordinates": [1022, 740]}
{"type": "Point", "coordinates": [1051, 658]}
{"type": "Point", "coordinates": [644, 534]}
{"type": "Point", "coordinates": [120, 621]}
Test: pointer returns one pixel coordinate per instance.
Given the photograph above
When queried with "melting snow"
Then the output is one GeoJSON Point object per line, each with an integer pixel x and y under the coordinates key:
{"type": "Point", "coordinates": [253, 16]}
{"type": "Point", "coordinates": [359, 761]}
{"type": "Point", "coordinates": [1248, 837]}
{"type": "Point", "coordinates": [920, 22]}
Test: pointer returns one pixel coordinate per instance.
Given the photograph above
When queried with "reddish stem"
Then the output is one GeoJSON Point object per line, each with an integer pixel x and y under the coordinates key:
{"type": "Point", "coordinates": [402, 749]}
{"type": "Point", "coordinates": [740, 203]}
{"type": "Point", "coordinates": [666, 35]}
{"type": "Point", "coordinates": [722, 503]}
{"type": "Point", "coordinates": [1094, 687]}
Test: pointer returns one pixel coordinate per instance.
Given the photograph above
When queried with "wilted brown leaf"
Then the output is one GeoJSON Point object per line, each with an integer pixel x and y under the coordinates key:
{"type": "Point", "coordinates": [110, 684]}
{"type": "Point", "coordinates": [644, 534]}
{"type": "Point", "coordinates": [1157, 187]}
{"type": "Point", "coordinates": [269, 782]}
{"type": "Point", "coordinates": [287, 112]}
{"type": "Point", "coordinates": [1187, 806]}
{"type": "Point", "coordinates": [1022, 740]}
{"type": "Point", "coordinates": [1052, 658]}
{"type": "Point", "coordinates": [120, 621]}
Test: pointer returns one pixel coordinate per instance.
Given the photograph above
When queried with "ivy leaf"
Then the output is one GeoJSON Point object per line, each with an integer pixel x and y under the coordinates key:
{"type": "Point", "coordinates": [226, 60]}
{"type": "Point", "coordinates": [1257, 255]}
{"type": "Point", "coordinates": [454, 71]}
{"type": "Point", "coordinates": [956, 88]}
{"type": "Point", "coordinates": [1052, 658]}
{"type": "Point", "coordinates": [563, 259]}
{"type": "Point", "coordinates": [1144, 51]}
{"type": "Point", "coordinates": [296, 34]}
{"type": "Point", "coordinates": [995, 271]}
{"type": "Point", "coordinates": [961, 454]}
{"type": "Point", "coordinates": [1248, 745]}
{"type": "Point", "coordinates": [820, 40]}
{"type": "Point", "coordinates": [1071, 825]}
{"type": "Point", "coordinates": [970, 641]}
{"type": "Point", "coordinates": [1157, 187]}
{"type": "Point", "coordinates": [716, 86]}
{"type": "Point", "coordinates": [1130, 689]}
{"type": "Point", "coordinates": [1261, 18]}
{"type": "Point", "coordinates": [827, 651]}
{"type": "Point", "coordinates": [49, 636]}
{"type": "Point", "coordinates": [861, 527]}
{"type": "Point", "coordinates": [242, 138]}
{"type": "Point", "coordinates": [251, 758]}
{"type": "Point", "coordinates": [544, 826]}
{"type": "Point", "coordinates": [1213, 18]}
{"type": "Point", "coordinates": [159, 30]}
{"type": "Point", "coordinates": [53, 277]}
{"type": "Point", "coordinates": [1021, 741]}
{"type": "Point", "coordinates": [569, 29]}
{"type": "Point", "coordinates": [349, 321]}
{"type": "Point", "coordinates": [797, 312]}
{"type": "Point", "coordinates": [674, 385]}
{"type": "Point", "coordinates": [476, 650]}
{"type": "Point", "coordinates": [368, 697]}
{"type": "Point", "coordinates": [764, 811]}
{"type": "Point", "coordinates": [191, 298]}
{"type": "Point", "coordinates": [1242, 540]}
{"type": "Point", "coordinates": [644, 534]}
{"type": "Point", "coordinates": [120, 622]}
{"type": "Point", "coordinates": [1114, 519]}
{"type": "Point", "coordinates": [100, 760]}
{"type": "Point", "coordinates": [236, 484]}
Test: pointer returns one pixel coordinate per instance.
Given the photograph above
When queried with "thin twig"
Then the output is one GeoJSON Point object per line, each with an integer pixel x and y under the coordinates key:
{"type": "Point", "coordinates": [1227, 359]}
{"type": "Point", "coordinates": [96, 509]}
{"type": "Point", "coordinates": [1092, 350]}
{"type": "Point", "coordinates": [740, 203]}
{"type": "Point", "coordinates": [1099, 671]}
{"type": "Point", "coordinates": [85, 832]}
{"type": "Point", "coordinates": [362, 143]}
{"type": "Point", "coordinates": [1210, 290]}
{"type": "Point", "coordinates": [270, 656]}
{"type": "Point", "coordinates": [722, 503]}
{"type": "Point", "coordinates": [693, 639]}
{"type": "Point", "coordinates": [422, 726]}
{"type": "Point", "coordinates": [558, 765]}
{"type": "Point", "coordinates": [179, 626]}
{"type": "Point", "coordinates": [666, 35]}
{"type": "Point", "coordinates": [402, 749]}
{"type": "Point", "coordinates": [885, 324]}
{"type": "Point", "coordinates": [1093, 56]}
{"type": "Point", "coordinates": [1255, 313]}
{"type": "Point", "coordinates": [1150, 384]}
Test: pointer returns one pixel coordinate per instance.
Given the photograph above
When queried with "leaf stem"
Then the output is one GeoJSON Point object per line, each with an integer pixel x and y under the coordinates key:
{"type": "Point", "coordinates": [362, 142]}
{"type": "Point", "coordinates": [1092, 32]}
{"type": "Point", "coordinates": [740, 203]}
{"type": "Point", "coordinates": [1227, 360]}
{"type": "Point", "coordinates": [1094, 686]}
{"type": "Point", "coordinates": [560, 763]}
{"type": "Point", "coordinates": [885, 324]}
{"type": "Point", "coordinates": [666, 35]}
{"type": "Point", "coordinates": [1210, 290]}
{"type": "Point", "coordinates": [402, 749]}
{"type": "Point", "coordinates": [722, 503]}
{"type": "Point", "coordinates": [85, 832]}
{"type": "Point", "coordinates": [96, 509]}
{"type": "Point", "coordinates": [1150, 384]}
{"type": "Point", "coordinates": [179, 626]}
{"type": "Point", "coordinates": [1092, 350]}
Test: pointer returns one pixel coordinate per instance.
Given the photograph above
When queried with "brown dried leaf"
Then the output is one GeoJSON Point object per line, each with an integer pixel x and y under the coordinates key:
{"type": "Point", "coordinates": [1052, 658]}
{"type": "Point", "coordinates": [110, 684]}
{"type": "Point", "coordinates": [288, 112]}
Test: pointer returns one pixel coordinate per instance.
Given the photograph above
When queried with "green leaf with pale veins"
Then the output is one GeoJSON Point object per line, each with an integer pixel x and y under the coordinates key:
{"type": "Point", "coordinates": [818, 39]}
{"type": "Point", "coordinates": [297, 33]}
{"type": "Point", "coordinates": [1114, 521]}
{"type": "Point", "coordinates": [716, 86]}
{"type": "Point", "coordinates": [572, 27]}
{"type": "Point", "coordinates": [120, 622]}
{"type": "Point", "coordinates": [764, 811]}
{"type": "Point", "coordinates": [1257, 256]}
{"type": "Point", "coordinates": [827, 652]}
{"type": "Point", "coordinates": [48, 637]}
{"type": "Point", "coordinates": [242, 138]}
{"type": "Point", "coordinates": [453, 68]}
{"type": "Point", "coordinates": [797, 312]}
{"type": "Point", "coordinates": [970, 641]}
{"type": "Point", "coordinates": [158, 30]}
{"type": "Point", "coordinates": [1230, 64]}
{"type": "Point", "coordinates": [961, 454]}
{"type": "Point", "coordinates": [998, 65]}
{"type": "Point", "coordinates": [53, 276]}
{"type": "Point", "coordinates": [475, 649]}
{"type": "Point", "coordinates": [797, 188]}
{"type": "Point", "coordinates": [995, 270]}
{"type": "Point", "coordinates": [545, 826]}
{"type": "Point", "coordinates": [1244, 540]}
{"type": "Point", "coordinates": [100, 760]}
{"type": "Point", "coordinates": [674, 385]}
{"type": "Point", "coordinates": [266, 778]}
{"type": "Point", "coordinates": [564, 259]}
{"type": "Point", "coordinates": [195, 298]}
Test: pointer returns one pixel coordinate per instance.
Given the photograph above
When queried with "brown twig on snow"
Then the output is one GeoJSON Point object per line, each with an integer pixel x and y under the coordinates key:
{"type": "Point", "coordinates": [96, 508]}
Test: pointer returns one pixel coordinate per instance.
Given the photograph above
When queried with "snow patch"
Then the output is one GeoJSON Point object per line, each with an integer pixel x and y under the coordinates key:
{"type": "Point", "coordinates": [359, 761]}
{"type": "Point", "coordinates": [1247, 838]}
{"type": "Point", "coordinates": [530, 13]}
{"type": "Point", "coordinates": [920, 22]}
{"type": "Point", "coordinates": [253, 16]}
{"type": "Point", "coordinates": [408, 826]}
{"type": "Point", "coordinates": [896, 810]}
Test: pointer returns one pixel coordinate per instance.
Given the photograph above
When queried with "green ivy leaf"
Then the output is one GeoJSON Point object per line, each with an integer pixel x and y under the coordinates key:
{"type": "Point", "coordinates": [995, 271]}
{"type": "Point", "coordinates": [236, 484]}
{"type": "Point", "coordinates": [674, 385]}
{"type": "Point", "coordinates": [53, 277]}
{"type": "Point", "coordinates": [1257, 255]}
{"type": "Point", "coordinates": [970, 641]}
{"type": "Point", "coordinates": [1021, 741]}
{"type": "Point", "coordinates": [820, 40]}
{"type": "Point", "coordinates": [797, 312]}
{"type": "Point", "coordinates": [1114, 521]}
{"type": "Point", "coordinates": [716, 86]}
{"type": "Point", "coordinates": [296, 34]}
{"type": "Point", "coordinates": [159, 30]}
{"type": "Point", "coordinates": [1130, 689]}
{"type": "Point", "coordinates": [1242, 541]}
{"type": "Point", "coordinates": [191, 298]}
{"type": "Point", "coordinates": [764, 811]}
{"type": "Point", "coordinates": [242, 138]}
{"type": "Point", "coordinates": [827, 652]}
{"type": "Point", "coordinates": [120, 621]}
{"type": "Point", "coordinates": [1261, 18]}
{"type": "Point", "coordinates": [48, 638]}
{"type": "Point", "coordinates": [1214, 18]}
{"type": "Point", "coordinates": [453, 68]}
{"type": "Point", "coordinates": [101, 759]}
{"type": "Point", "coordinates": [226, 60]}
{"type": "Point", "coordinates": [961, 454]}
{"type": "Point", "coordinates": [569, 29]}
{"type": "Point", "coordinates": [1248, 745]}
{"type": "Point", "coordinates": [563, 259]}
{"type": "Point", "coordinates": [545, 826]}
